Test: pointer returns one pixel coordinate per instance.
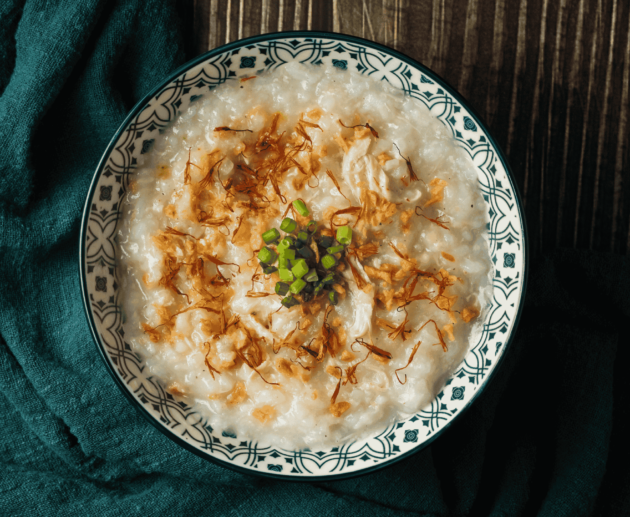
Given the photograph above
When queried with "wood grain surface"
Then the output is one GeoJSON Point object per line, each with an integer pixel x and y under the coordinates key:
{"type": "Point", "coordinates": [549, 77]}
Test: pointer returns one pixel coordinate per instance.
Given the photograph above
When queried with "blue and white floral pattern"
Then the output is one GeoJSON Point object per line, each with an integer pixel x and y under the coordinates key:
{"type": "Point", "coordinates": [100, 282]}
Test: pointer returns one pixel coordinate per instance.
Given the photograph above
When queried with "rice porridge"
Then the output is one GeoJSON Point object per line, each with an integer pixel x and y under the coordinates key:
{"type": "Point", "coordinates": [303, 257]}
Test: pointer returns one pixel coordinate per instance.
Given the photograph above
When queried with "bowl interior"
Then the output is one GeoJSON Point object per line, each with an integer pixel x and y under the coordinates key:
{"type": "Point", "coordinates": [98, 248]}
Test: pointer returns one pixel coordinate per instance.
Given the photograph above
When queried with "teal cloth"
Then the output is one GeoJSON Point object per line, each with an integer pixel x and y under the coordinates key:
{"type": "Point", "coordinates": [547, 437]}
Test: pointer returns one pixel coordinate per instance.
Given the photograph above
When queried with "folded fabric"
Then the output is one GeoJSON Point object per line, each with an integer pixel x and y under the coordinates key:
{"type": "Point", "coordinates": [545, 437]}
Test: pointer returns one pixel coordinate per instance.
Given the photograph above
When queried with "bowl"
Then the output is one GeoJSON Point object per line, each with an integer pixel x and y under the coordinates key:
{"type": "Point", "coordinates": [100, 283]}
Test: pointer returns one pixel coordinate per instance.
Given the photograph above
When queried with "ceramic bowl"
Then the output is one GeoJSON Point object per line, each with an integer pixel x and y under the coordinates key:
{"type": "Point", "coordinates": [100, 282]}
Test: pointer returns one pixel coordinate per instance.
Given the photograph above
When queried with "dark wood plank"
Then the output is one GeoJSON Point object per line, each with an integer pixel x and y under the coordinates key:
{"type": "Point", "coordinates": [551, 79]}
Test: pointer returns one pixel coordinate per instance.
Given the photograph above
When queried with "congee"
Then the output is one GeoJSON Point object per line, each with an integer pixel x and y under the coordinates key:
{"type": "Point", "coordinates": [304, 256]}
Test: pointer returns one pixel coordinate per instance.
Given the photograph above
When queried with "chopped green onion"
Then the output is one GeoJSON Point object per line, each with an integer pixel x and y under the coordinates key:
{"type": "Point", "coordinates": [333, 297]}
{"type": "Point", "coordinates": [284, 263]}
{"type": "Point", "coordinates": [311, 276]}
{"type": "Point", "coordinates": [271, 236]}
{"type": "Point", "coordinates": [329, 278]}
{"type": "Point", "coordinates": [334, 249]}
{"type": "Point", "coordinates": [287, 253]}
{"type": "Point", "coordinates": [308, 288]}
{"type": "Point", "coordinates": [282, 289]}
{"type": "Point", "coordinates": [286, 275]}
{"type": "Point", "coordinates": [299, 244]}
{"type": "Point", "coordinates": [299, 205]}
{"type": "Point", "coordinates": [303, 236]}
{"type": "Point", "coordinates": [297, 286]}
{"type": "Point", "coordinates": [326, 241]}
{"type": "Point", "coordinates": [289, 302]}
{"type": "Point", "coordinates": [288, 241]}
{"type": "Point", "coordinates": [306, 296]}
{"type": "Point", "coordinates": [306, 252]}
{"type": "Point", "coordinates": [267, 255]}
{"type": "Point", "coordinates": [288, 225]}
{"type": "Point", "coordinates": [311, 227]}
{"type": "Point", "coordinates": [328, 261]}
{"type": "Point", "coordinates": [299, 268]}
{"type": "Point", "coordinates": [318, 289]}
{"type": "Point", "coordinates": [344, 235]}
{"type": "Point", "coordinates": [269, 269]}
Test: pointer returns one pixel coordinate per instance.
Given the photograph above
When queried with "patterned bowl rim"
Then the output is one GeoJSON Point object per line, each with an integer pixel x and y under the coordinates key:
{"type": "Point", "coordinates": [139, 106]}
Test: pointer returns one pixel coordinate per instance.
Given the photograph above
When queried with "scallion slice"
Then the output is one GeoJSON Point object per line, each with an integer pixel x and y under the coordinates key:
{"type": "Point", "coordinates": [287, 253]}
{"type": "Point", "coordinates": [282, 289]}
{"type": "Point", "coordinates": [289, 302]}
{"type": "Point", "coordinates": [299, 268]}
{"type": "Point", "coordinates": [297, 286]}
{"type": "Point", "coordinates": [288, 225]}
{"type": "Point", "coordinates": [326, 241]}
{"type": "Point", "coordinates": [286, 275]}
{"type": "Point", "coordinates": [300, 206]}
{"type": "Point", "coordinates": [306, 252]}
{"type": "Point", "coordinates": [329, 279]}
{"type": "Point", "coordinates": [328, 261]}
{"type": "Point", "coordinates": [311, 276]}
{"type": "Point", "coordinates": [344, 235]}
{"type": "Point", "coordinates": [271, 236]}
{"type": "Point", "coordinates": [267, 255]}
{"type": "Point", "coordinates": [333, 297]}
{"type": "Point", "coordinates": [334, 249]}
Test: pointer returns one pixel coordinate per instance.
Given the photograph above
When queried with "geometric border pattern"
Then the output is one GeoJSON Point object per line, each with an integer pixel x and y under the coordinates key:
{"type": "Point", "coordinates": [100, 282]}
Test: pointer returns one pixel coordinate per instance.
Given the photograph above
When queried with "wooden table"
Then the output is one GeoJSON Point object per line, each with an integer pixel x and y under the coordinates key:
{"type": "Point", "coordinates": [550, 78]}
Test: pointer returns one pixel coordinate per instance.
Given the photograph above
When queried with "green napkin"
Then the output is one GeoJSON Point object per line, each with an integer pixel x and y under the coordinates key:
{"type": "Point", "coordinates": [72, 445]}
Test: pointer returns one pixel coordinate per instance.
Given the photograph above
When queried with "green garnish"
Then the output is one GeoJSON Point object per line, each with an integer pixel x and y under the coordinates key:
{"type": "Point", "coordinates": [296, 275]}
{"type": "Point", "coordinates": [300, 206]}
{"type": "Point", "coordinates": [344, 235]}
{"type": "Point", "coordinates": [326, 241]}
{"type": "Point", "coordinates": [329, 278]}
{"type": "Point", "coordinates": [285, 243]}
{"type": "Point", "coordinates": [297, 286]}
{"type": "Point", "coordinates": [288, 225]}
{"type": "Point", "coordinates": [328, 261]}
{"type": "Point", "coordinates": [299, 268]}
{"type": "Point", "coordinates": [311, 276]}
{"type": "Point", "coordinates": [267, 255]}
{"type": "Point", "coordinates": [334, 249]}
{"type": "Point", "coordinates": [282, 288]}
{"type": "Point", "coordinates": [306, 252]}
{"type": "Point", "coordinates": [287, 253]}
{"type": "Point", "coordinates": [286, 275]}
{"type": "Point", "coordinates": [271, 236]}
{"type": "Point", "coordinates": [289, 302]}
{"type": "Point", "coordinates": [281, 246]}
